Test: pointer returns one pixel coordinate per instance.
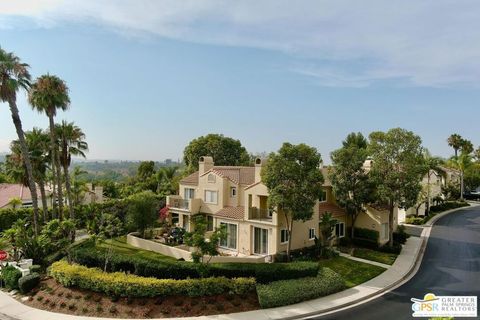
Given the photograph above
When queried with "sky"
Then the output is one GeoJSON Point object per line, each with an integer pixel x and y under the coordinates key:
{"type": "Point", "coordinates": [147, 76]}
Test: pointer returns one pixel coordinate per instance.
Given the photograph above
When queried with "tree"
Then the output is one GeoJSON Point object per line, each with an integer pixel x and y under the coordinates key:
{"type": "Point", "coordinates": [466, 146]}
{"type": "Point", "coordinates": [79, 186]}
{"type": "Point", "coordinates": [431, 164]}
{"type": "Point", "coordinates": [71, 140]}
{"type": "Point", "coordinates": [204, 247]}
{"type": "Point", "coordinates": [15, 202]}
{"type": "Point", "coordinates": [38, 148]}
{"type": "Point", "coordinates": [455, 141]}
{"type": "Point", "coordinates": [14, 76]}
{"type": "Point", "coordinates": [350, 180]}
{"type": "Point", "coordinates": [476, 154]}
{"type": "Point", "coordinates": [327, 224]}
{"type": "Point", "coordinates": [225, 151]}
{"type": "Point", "coordinates": [461, 163]}
{"type": "Point", "coordinates": [167, 178]}
{"type": "Point", "coordinates": [48, 94]}
{"type": "Point", "coordinates": [146, 169]}
{"type": "Point", "coordinates": [294, 181]}
{"type": "Point", "coordinates": [472, 177]}
{"type": "Point", "coordinates": [397, 169]}
{"type": "Point", "coordinates": [142, 211]}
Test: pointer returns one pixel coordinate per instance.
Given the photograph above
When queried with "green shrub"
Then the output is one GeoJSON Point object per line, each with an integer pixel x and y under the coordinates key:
{"type": "Point", "coordinates": [364, 233]}
{"type": "Point", "coordinates": [127, 285]}
{"type": "Point", "coordinates": [400, 235]}
{"type": "Point", "coordinates": [28, 282]}
{"type": "Point", "coordinates": [88, 255]}
{"type": "Point", "coordinates": [414, 220]}
{"type": "Point", "coordinates": [35, 268]}
{"type": "Point", "coordinates": [10, 276]}
{"type": "Point", "coordinates": [448, 206]}
{"type": "Point", "coordinates": [285, 292]}
{"type": "Point", "coordinates": [396, 248]}
{"type": "Point", "coordinates": [366, 243]}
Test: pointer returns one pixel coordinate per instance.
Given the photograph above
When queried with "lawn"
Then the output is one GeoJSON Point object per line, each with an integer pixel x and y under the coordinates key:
{"type": "Point", "coordinates": [368, 254]}
{"type": "Point", "coordinates": [353, 272]}
{"type": "Point", "coordinates": [120, 245]}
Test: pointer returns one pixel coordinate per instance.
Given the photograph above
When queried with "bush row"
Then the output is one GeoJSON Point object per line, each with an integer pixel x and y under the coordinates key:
{"type": "Point", "coordinates": [448, 205]}
{"type": "Point", "coordinates": [126, 285]}
{"type": "Point", "coordinates": [28, 282]}
{"type": "Point", "coordinates": [90, 256]}
{"type": "Point", "coordinates": [285, 292]}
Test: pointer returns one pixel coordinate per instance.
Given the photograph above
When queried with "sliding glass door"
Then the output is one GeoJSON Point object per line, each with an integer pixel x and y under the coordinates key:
{"type": "Point", "coordinates": [260, 241]}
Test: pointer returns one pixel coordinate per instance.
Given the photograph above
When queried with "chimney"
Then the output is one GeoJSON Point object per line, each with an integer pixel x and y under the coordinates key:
{"type": "Point", "coordinates": [99, 194]}
{"type": "Point", "coordinates": [204, 164]}
{"type": "Point", "coordinates": [258, 169]}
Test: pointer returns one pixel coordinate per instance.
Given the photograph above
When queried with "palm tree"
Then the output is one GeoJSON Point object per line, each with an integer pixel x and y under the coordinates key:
{"type": "Point", "coordinates": [47, 95]}
{"type": "Point", "coordinates": [38, 147]}
{"type": "Point", "coordinates": [15, 202]}
{"type": "Point", "coordinates": [71, 140]}
{"type": "Point", "coordinates": [14, 76]}
{"type": "Point", "coordinates": [455, 141]}
{"type": "Point", "coordinates": [467, 146]}
{"type": "Point", "coordinates": [166, 179]}
{"type": "Point", "coordinates": [461, 163]}
{"type": "Point", "coordinates": [79, 186]}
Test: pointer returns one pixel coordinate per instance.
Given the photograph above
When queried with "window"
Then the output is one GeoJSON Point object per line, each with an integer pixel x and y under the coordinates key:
{"type": "Point", "coordinates": [230, 241]}
{"type": "Point", "coordinates": [211, 178]}
{"type": "Point", "coordinates": [211, 196]}
{"type": "Point", "coordinates": [384, 231]}
{"type": "Point", "coordinates": [284, 236]}
{"type": "Point", "coordinates": [233, 192]}
{"type": "Point", "coordinates": [189, 193]}
{"type": "Point", "coordinates": [209, 223]}
{"type": "Point", "coordinates": [340, 230]}
{"type": "Point", "coordinates": [323, 196]}
{"type": "Point", "coordinates": [175, 218]}
{"type": "Point", "coordinates": [311, 233]}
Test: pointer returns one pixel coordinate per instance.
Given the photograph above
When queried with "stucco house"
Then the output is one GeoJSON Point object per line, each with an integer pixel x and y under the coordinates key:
{"type": "Point", "coordinates": [9, 191]}
{"type": "Point", "coordinates": [234, 196]}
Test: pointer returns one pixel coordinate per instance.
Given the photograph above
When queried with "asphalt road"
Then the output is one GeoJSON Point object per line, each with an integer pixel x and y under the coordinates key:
{"type": "Point", "coordinates": [450, 266]}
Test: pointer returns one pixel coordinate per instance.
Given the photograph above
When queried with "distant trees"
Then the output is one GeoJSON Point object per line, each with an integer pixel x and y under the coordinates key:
{"type": "Point", "coordinates": [224, 150]}
{"type": "Point", "coordinates": [294, 182]}
{"type": "Point", "coordinates": [397, 169]}
{"type": "Point", "coordinates": [455, 141]}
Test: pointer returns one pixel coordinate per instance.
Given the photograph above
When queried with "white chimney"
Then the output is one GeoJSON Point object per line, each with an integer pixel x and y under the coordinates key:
{"type": "Point", "coordinates": [204, 164]}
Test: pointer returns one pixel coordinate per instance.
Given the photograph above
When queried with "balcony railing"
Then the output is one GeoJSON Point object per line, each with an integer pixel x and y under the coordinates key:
{"type": "Point", "coordinates": [255, 213]}
{"type": "Point", "coordinates": [180, 204]}
{"type": "Point", "coordinates": [190, 205]}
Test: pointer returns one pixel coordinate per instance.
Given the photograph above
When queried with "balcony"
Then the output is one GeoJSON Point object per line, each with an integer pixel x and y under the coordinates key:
{"type": "Point", "coordinates": [185, 205]}
{"type": "Point", "coordinates": [255, 213]}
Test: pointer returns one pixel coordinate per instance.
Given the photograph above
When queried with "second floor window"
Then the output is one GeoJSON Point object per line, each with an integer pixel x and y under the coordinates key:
{"type": "Point", "coordinates": [189, 193]}
{"type": "Point", "coordinates": [211, 196]}
{"type": "Point", "coordinates": [311, 233]}
{"type": "Point", "coordinates": [233, 192]}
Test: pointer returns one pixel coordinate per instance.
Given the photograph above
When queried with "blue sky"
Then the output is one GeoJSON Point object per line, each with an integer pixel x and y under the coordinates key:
{"type": "Point", "coordinates": [146, 77]}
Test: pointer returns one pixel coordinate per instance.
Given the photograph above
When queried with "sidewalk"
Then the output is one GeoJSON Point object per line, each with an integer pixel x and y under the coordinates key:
{"type": "Point", "coordinates": [402, 268]}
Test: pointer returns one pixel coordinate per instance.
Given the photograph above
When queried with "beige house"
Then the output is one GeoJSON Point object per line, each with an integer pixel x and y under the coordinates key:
{"type": "Point", "coordinates": [9, 191]}
{"type": "Point", "coordinates": [235, 197]}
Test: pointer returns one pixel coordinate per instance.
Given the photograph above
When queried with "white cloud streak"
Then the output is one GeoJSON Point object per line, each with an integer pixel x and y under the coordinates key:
{"type": "Point", "coordinates": [432, 43]}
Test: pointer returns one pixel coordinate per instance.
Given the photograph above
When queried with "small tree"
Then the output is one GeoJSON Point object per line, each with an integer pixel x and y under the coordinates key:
{"type": "Point", "coordinates": [203, 246]}
{"type": "Point", "coordinates": [350, 180]}
{"type": "Point", "coordinates": [104, 229]}
{"type": "Point", "coordinates": [397, 169]}
{"type": "Point", "coordinates": [294, 182]}
{"type": "Point", "coordinates": [142, 211]}
{"type": "Point", "coordinates": [327, 224]}
{"type": "Point", "coordinates": [15, 202]}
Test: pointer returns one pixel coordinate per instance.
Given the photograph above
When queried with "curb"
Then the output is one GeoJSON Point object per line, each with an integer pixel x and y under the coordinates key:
{"type": "Point", "coordinates": [413, 270]}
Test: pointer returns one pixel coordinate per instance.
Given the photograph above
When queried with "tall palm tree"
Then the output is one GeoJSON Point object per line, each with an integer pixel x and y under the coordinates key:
{"type": "Point", "coordinates": [71, 140]}
{"type": "Point", "coordinates": [38, 147]}
{"type": "Point", "coordinates": [47, 95]}
{"type": "Point", "coordinates": [455, 141]}
{"type": "Point", "coordinates": [461, 163]}
{"type": "Point", "coordinates": [14, 76]}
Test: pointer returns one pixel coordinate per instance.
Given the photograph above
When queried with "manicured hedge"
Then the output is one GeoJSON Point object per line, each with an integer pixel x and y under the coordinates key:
{"type": "Point", "coordinates": [364, 233]}
{"type": "Point", "coordinates": [88, 255]}
{"type": "Point", "coordinates": [448, 205]}
{"type": "Point", "coordinates": [27, 283]}
{"type": "Point", "coordinates": [10, 276]}
{"type": "Point", "coordinates": [285, 292]}
{"type": "Point", "coordinates": [126, 285]}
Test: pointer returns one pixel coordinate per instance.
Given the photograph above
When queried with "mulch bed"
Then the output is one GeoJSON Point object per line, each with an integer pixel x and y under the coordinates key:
{"type": "Point", "coordinates": [52, 296]}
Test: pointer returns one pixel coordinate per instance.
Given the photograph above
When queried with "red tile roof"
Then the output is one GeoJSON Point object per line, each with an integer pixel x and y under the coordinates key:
{"type": "Point", "coordinates": [14, 190]}
{"type": "Point", "coordinates": [235, 213]}
{"type": "Point", "coordinates": [238, 175]}
{"type": "Point", "coordinates": [191, 179]}
{"type": "Point", "coordinates": [335, 210]}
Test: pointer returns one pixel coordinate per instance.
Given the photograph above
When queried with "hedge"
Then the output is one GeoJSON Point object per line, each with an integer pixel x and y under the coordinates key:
{"type": "Point", "coordinates": [10, 276]}
{"type": "Point", "coordinates": [28, 282]}
{"type": "Point", "coordinates": [9, 216]}
{"type": "Point", "coordinates": [285, 292]}
{"type": "Point", "coordinates": [364, 233]}
{"type": "Point", "coordinates": [90, 256]}
{"type": "Point", "coordinates": [448, 205]}
{"type": "Point", "coordinates": [126, 285]}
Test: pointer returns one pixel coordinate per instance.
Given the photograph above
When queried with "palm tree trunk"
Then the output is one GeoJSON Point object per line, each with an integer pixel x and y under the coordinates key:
{"type": "Point", "coordinates": [54, 195]}
{"type": "Point", "coordinates": [462, 187]}
{"type": "Point", "coordinates": [26, 158]}
{"type": "Point", "coordinates": [41, 184]}
{"type": "Point", "coordinates": [69, 191]}
{"type": "Point", "coordinates": [56, 163]}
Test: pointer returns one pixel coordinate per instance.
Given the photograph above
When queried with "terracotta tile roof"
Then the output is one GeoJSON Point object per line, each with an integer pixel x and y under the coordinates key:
{"type": "Point", "coordinates": [335, 210]}
{"type": "Point", "coordinates": [14, 190]}
{"type": "Point", "coordinates": [238, 175]}
{"type": "Point", "coordinates": [191, 179]}
{"type": "Point", "coordinates": [235, 213]}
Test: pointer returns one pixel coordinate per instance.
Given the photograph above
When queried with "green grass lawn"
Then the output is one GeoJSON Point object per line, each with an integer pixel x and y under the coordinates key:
{"type": "Point", "coordinates": [353, 272]}
{"type": "Point", "coordinates": [368, 254]}
{"type": "Point", "coordinates": [120, 245]}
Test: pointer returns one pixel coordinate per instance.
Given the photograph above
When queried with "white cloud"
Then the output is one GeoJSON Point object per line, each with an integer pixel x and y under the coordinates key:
{"type": "Point", "coordinates": [424, 43]}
